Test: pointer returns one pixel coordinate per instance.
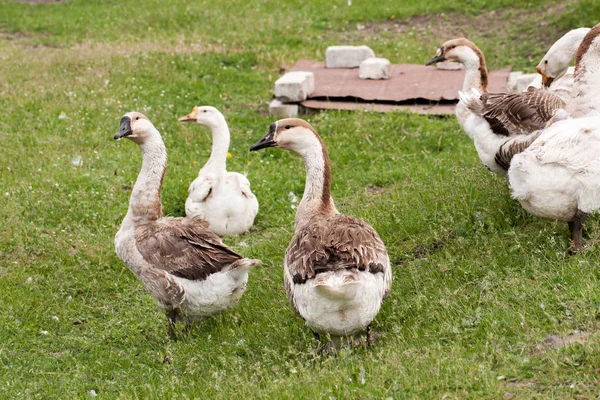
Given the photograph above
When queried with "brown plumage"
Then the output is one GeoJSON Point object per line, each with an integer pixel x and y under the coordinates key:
{"type": "Point", "coordinates": [517, 113]}
{"type": "Point", "coordinates": [183, 247]}
{"type": "Point", "coordinates": [332, 243]}
{"type": "Point", "coordinates": [514, 146]}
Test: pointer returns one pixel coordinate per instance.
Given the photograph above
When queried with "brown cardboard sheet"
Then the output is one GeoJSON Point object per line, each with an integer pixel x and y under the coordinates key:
{"type": "Point", "coordinates": [409, 84]}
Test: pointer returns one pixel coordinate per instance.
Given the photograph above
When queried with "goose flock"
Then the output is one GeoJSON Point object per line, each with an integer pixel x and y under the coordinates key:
{"type": "Point", "coordinates": [337, 272]}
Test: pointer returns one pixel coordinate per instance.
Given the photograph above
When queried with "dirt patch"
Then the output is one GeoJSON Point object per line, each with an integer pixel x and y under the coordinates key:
{"type": "Point", "coordinates": [556, 342]}
{"type": "Point", "coordinates": [445, 26]}
{"type": "Point", "coordinates": [375, 189]}
{"type": "Point", "coordinates": [40, 1]}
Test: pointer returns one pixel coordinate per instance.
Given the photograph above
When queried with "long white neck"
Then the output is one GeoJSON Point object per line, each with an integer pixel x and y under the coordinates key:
{"type": "Point", "coordinates": [217, 162]}
{"type": "Point", "coordinates": [144, 203]}
{"type": "Point", "coordinates": [317, 190]}
{"type": "Point", "coordinates": [476, 72]}
{"type": "Point", "coordinates": [586, 90]}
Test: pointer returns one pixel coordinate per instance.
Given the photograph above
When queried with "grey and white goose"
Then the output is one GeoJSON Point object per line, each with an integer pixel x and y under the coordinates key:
{"type": "Point", "coordinates": [188, 269]}
{"type": "Point", "coordinates": [336, 269]}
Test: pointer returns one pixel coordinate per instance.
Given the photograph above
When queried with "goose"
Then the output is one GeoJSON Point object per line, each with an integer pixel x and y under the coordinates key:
{"type": "Point", "coordinates": [476, 74]}
{"type": "Point", "coordinates": [555, 63]}
{"type": "Point", "coordinates": [558, 176]}
{"type": "Point", "coordinates": [221, 198]}
{"type": "Point", "coordinates": [336, 269]}
{"type": "Point", "coordinates": [188, 269]}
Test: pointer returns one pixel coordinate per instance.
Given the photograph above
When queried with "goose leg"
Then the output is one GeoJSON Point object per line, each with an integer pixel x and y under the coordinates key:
{"type": "Point", "coordinates": [172, 318]}
{"type": "Point", "coordinates": [576, 228]}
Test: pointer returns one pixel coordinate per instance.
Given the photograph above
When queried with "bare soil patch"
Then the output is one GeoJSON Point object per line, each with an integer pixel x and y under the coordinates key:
{"type": "Point", "coordinates": [450, 25]}
{"type": "Point", "coordinates": [40, 1]}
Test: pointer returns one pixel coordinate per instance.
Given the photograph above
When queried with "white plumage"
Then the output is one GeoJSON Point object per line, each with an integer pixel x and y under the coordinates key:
{"type": "Point", "coordinates": [221, 198]}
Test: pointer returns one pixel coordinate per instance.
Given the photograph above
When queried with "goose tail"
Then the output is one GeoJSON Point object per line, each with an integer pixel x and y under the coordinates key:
{"type": "Point", "coordinates": [472, 100]}
{"type": "Point", "coordinates": [338, 287]}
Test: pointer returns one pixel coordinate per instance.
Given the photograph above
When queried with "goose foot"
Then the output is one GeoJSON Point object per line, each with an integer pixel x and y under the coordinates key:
{"type": "Point", "coordinates": [576, 228]}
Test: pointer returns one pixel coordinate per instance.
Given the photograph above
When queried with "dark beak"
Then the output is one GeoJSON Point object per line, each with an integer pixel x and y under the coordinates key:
{"type": "Point", "coordinates": [439, 57]}
{"type": "Point", "coordinates": [124, 128]}
{"type": "Point", "coordinates": [266, 141]}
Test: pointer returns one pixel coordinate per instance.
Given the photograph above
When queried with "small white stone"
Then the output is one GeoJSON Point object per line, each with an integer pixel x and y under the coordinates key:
{"type": "Point", "coordinates": [347, 56]}
{"type": "Point", "coordinates": [295, 86]}
{"type": "Point", "coordinates": [93, 393]}
{"type": "Point", "coordinates": [77, 161]}
{"type": "Point", "coordinates": [54, 317]}
{"type": "Point", "coordinates": [375, 68]}
{"type": "Point", "coordinates": [43, 332]}
{"type": "Point", "coordinates": [29, 280]}
{"type": "Point", "coordinates": [62, 116]}
{"type": "Point", "coordinates": [279, 109]}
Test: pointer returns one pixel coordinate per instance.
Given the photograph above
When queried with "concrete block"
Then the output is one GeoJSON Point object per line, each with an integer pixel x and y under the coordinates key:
{"type": "Point", "coordinates": [526, 80]}
{"type": "Point", "coordinates": [347, 56]}
{"type": "Point", "coordinates": [450, 66]}
{"type": "Point", "coordinates": [283, 110]}
{"type": "Point", "coordinates": [511, 84]}
{"type": "Point", "coordinates": [295, 86]}
{"type": "Point", "coordinates": [375, 68]}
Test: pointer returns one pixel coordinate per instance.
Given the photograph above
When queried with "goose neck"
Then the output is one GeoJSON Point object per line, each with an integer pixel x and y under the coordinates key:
{"type": "Point", "coordinates": [316, 199]}
{"type": "Point", "coordinates": [217, 163]}
{"type": "Point", "coordinates": [144, 203]}
{"type": "Point", "coordinates": [476, 75]}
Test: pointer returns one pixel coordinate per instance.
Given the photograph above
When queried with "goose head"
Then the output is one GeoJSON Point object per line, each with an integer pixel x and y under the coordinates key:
{"type": "Point", "coordinates": [556, 61]}
{"type": "Point", "coordinates": [136, 127]}
{"type": "Point", "coordinates": [292, 134]}
{"type": "Point", "coordinates": [205, 115]}
{"type": "Point", "coordinates": [457, 50]}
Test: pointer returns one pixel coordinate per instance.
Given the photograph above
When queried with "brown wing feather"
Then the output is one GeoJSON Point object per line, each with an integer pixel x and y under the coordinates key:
{"type": "Point", "coordinates": [514, 146]}
{"type": "Point", "coordinates": [334, 243]}
{"type": "Point", "coordinates": [183, 247]}
{"type": "Point", "coordinates": [519, 113]}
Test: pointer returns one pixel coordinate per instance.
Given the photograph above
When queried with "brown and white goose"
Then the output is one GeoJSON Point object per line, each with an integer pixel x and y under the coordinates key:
{"type": "Point", "coordinates": [476, 74]}
{"type": "Point", "coordinates": [496, 133]}
{"type": "Point", "coordinates": [188, 269]}
{"type": "Point", "coordinates": [336, 269]}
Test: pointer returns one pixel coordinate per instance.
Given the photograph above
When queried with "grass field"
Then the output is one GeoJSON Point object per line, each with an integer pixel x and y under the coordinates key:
{"type": "Point", "coordinates": [485, 302]}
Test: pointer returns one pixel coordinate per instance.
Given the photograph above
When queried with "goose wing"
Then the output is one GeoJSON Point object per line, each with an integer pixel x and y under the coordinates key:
{"type": "Point", "coordinates": [183, 247]}
{"type": "Point", "coordinates": [519, 113]}
{"type": "Point", "coordinates": [334, 243]}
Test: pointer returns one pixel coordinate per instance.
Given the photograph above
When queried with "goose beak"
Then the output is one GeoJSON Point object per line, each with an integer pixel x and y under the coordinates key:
{"type": "Point", "coordinates": [191, 117]}
{"type": "Point", "coordinates": [267, 141]}
{"type": "Point", "coordinates": [439, 57]}
{"type": "Point", "coordinates": [124, 129]}
{"type": "Point", "coordinates": [546, 81]}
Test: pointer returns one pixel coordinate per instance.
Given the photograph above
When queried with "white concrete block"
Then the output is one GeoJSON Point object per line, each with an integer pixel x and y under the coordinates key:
{"type": "Point", "coordinates": [511, 84]}
{"type": "Point", "coordinates": [375, 68]}
{"type": "Point", "coordinates": [283, 110]}
{"type": "Point", "coordinates": [525, 80]}
{"type": "Point", "coordinates": [295, 86]}
{"type": "Point", "coordinates": [450, 65]}
{"type": "Point", "coordinates": [347, 56]}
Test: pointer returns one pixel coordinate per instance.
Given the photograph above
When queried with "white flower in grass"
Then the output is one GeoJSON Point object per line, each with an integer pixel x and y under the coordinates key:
{"type": "Point", "coordinates": [93, 393]}
{"type": "Point", "coordinates": [43, 332]}
{"type": "Point", "coordinates": [62, 116]}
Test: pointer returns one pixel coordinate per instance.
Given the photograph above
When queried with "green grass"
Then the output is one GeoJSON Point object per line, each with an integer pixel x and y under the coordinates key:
{"type": "Point", "coordinates": [478, 283]}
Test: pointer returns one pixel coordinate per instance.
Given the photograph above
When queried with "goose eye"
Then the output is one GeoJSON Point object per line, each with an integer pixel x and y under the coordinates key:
{"type": "Point", "coordinates": [545, 61]}
{"type": "Point", "coordinates": [203, 110]}
{"type": "Point", "coordinates": [136, 118]}
{"type": "Point", "coordinates": [287, 127]}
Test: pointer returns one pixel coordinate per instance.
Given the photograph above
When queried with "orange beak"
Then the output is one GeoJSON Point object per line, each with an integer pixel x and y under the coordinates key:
{"type": "Point", "coordinates": [546, 81]}
{"type": "Point", "coordinates": [191, 117]}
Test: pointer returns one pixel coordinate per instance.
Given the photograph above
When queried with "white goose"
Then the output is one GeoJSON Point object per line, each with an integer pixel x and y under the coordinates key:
{"type": "Point", "coordinates": [186, 268]}
{"type": "Point", "coordinates": [221, 198]}
{"type": "Point", "coordinates": [558, 176]}
{"type": "Point", "coordinates": [554, 66]}
{"type": "Point", "coordinates": [336, 268]}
